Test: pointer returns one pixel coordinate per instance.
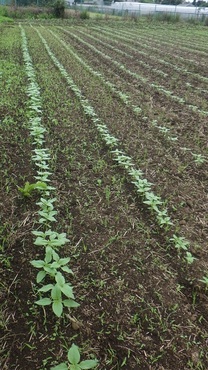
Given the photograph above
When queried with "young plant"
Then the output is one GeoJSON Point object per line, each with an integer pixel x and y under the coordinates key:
{"type": "Point", "coordinates": [56, 295]}
{"type": "Point", "coordinates": [74, 361]}
{"type": "Point", "coordinates": [51, 263]}
{"type": "Point", "coordinates": [143, 186]}
{"type": "Point", "coordinates": [189, 258]}
{"type": "Point", "coordinates": [198, 158]}
{"type": "Point", "coordinates": [180, 242]}
{"type": "Point", "coordinates": [204, 280]}
{"type": "Point", "coordinates": [163, 219]}
{"type": "Point", "coordinates": [152, 200]}
{"type": "Point", "coordinates": [50, 238]}
{"type": "Point", "coordinates": [47, 216]}
{"type": "Point", "coordinates": [29, 188]}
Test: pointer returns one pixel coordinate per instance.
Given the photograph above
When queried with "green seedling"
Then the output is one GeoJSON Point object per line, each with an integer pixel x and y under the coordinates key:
{"type": "Point", "coordinates": [43, 176]}
{"type": "Point", "coordinates": [29, 188]}
{"type": "Point", "coordinates": [47, 216]}
{"type": "Point", "coordinates": [41, 155]}
{"type": "Point", "coordinates": [51, 263]}
{"type": "Point", "coordinates": [143, 186]}
{"type": "Point", "coordinates": [50, 238]}
{"type": "Point", "coordinates": [124, 160]}
{"type": "Point", "coordinates": [152, 200]}
{"type": "Point", "coordinates": [189, 258]}
{"type": "Point", "coordinates": [74, 361]}
{"type": "Point", "coordinates": [180, 242]}
{"type": "Point", "coordinates": [173, 138]}
{"type": "Point", "coordinates": [46, 204]}
{"type": "Point", "coordinates": [163, 218]}
{"type": "Point", "coordinates": [198, 158]}
{"type": "Point", "coordinates": [163, 129]}
{"type": "Point", "coordinates": [136, 174]}
{"type": "Point", "coordinates": [42, 165]}
{"type": "Point", "coordinates": [204, 280]}
{"type": "Point", "coordinates": [56, 295]}
{"type": "Point", "coordinates": [38, 131]}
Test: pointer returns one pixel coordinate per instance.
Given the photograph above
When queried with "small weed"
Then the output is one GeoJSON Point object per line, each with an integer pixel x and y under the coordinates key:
{"type": "Point", "coordinates": [74, 361]}
{"type": "Point", "coordinates": [28, 188]}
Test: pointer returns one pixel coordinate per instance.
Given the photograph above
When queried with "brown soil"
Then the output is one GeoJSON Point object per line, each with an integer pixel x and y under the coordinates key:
{"type": "Point", "coordinates": [141, 306]}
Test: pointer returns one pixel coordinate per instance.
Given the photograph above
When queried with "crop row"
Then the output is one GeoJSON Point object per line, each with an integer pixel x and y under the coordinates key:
{"type": "Point", "coordinates": [142, 304]}
{"type": "Point", "coordinates": [197, 157]}
{"type": "Point", "coordinates": [188, 90]}
{"type": "Point", "coordinates": [126, 36]}
{"type": "Point", "coordinates": [181, 56]}
{"type": "Point", "coordinates": [144, 80]}
{"type": "Point", "coordinates": [52, 266]}
{"type": "Point", "coordinates": [133, 149]}
{"type": "Point", "coordinates": [149, 113]}
{"type": "Point", "coordinates": [138, 52]}
{"type": "Point", "coordinates": [142, 185]}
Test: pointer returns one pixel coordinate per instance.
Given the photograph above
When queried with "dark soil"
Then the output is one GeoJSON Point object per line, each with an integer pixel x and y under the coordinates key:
{"type": "Point", "coordinates": [142, 307]}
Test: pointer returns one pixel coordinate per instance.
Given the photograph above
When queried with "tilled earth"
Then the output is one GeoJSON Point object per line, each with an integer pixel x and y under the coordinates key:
{"type": "Point", "coordinates": [141, 305]}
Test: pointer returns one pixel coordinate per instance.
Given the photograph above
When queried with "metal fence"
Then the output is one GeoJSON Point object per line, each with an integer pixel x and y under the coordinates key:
{"type": "Point", "coordinates": [128, 8]}
{"type": "Point", "coordinates": [123, 8]}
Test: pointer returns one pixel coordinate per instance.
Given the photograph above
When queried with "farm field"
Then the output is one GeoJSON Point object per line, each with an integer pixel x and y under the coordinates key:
{"type": "Point", "coordinates": [104, 171]}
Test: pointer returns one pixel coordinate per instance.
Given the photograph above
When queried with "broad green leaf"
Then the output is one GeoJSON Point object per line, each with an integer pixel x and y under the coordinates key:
{"type": "Point", "coordinates": [57, 307]}
{"type": "Point", "coordinates": [67, 290]}
{"type": "Point", "coordinates": [70, 303]}
{"type": "Point", "coordinates": [56, 292]}
{"type": "Point", "coordinates": [55, 265]}
{"type": "Point", "coordinates": [40, 276]}
{"type": "Point", "coordinates": [38, 263]}
{"type": "Point", "coordinates": [50, 270]}
{"type": "Point", "coordinates": [88, 364]}
{"type": "Point", "coordinates": [64, 261]}
{"type": "Point", "coordinates": [48, 254]}
{"type": "Point", "coordinates": [73, 355]}
{"type": "Point", "coordinates": [60, 279]}
{"type": "Point", "coordinates": [46, 288]}
{"type": "Point", "coordinates": [75, 367]}
{"type": "Point", "coordinates": [40, 241]}
{"type": "Point", "coordinates": [43, 302]}
{"type": "Point", "coordinates": [40, 185]}
{"type": "Point", "coordinates": [61, 366]}
{"type": "Point", "coordinates": [55, 256]}
{"type": "Point", "coordinates": [38, 233]}
{"type": "Point", "coordinates": [66, 269]}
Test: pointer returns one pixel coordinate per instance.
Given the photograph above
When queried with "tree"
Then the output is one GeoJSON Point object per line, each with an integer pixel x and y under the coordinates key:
{"type": "Point", "coordinates": [59, 8]}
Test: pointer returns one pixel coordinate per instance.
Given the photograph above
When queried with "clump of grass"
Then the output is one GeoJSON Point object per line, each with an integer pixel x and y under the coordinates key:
{"type": "Point", "coordinates": [5, 19]}
{"type": "Point", "coordinates": [13, 12]}
{"type": "Point", "coordinates": [164, 17]}
{"type": "Point", "coordinates": [4, 15]}
{"type": "Point", "coordinates": [84, 15]}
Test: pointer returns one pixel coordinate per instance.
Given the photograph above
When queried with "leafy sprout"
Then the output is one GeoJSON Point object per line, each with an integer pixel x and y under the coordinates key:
{"type": "Point", "coordinates": [74, 363]}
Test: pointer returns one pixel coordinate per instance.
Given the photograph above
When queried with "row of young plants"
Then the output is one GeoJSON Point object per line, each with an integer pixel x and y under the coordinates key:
{"type": "Point", "coordinates": [158, 315]}
{"type": "Point", "coordinates": [142, 185]}
{"type": "Point", "coordinates": [124, 53]}
{"type": "Point", "coordinates": [137, 51]}
{"type": "Point", "coordinates": [198, 158]}
{"type": "Point", "coordinates": [150, 43]}
{"type": "Point", "coordinates": [142, 79]}
{"type": "Point", "coordinates": [168, 78]}
{"type": "Point", "coordinates": [136, 128]}
{"type": "Point", "coordinates": [126, 36]}
{"type": "Point", "coordinates": [196, 155]}
{"type": "Point", "coordinates": [52, 267]}
{"type": "Point", "coordinates": [186, 39]}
